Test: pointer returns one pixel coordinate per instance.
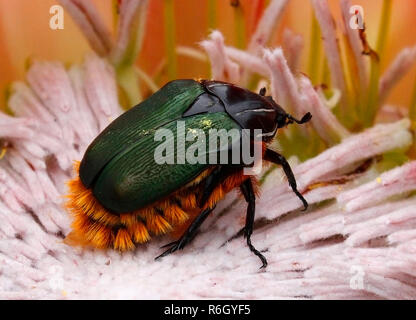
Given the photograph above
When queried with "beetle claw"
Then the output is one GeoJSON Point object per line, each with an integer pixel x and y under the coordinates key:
{"type": "Point", "coordinates": [169, 244]}
{"type": "Point", "coordinates": [169, 251]}
{"type": "Point", "coordinates": [305, 205]}
{"type": "Point", "coordinates": [174, 246]}
{"type": "Point", "coordinates": [304, 202]}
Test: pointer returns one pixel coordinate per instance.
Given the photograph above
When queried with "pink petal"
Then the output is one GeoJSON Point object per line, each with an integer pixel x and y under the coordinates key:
{"type": "Point", "coordinates": [222, 67]}
{"type": "Point", "coordinates": [101, 90]}
{"type": "Point", "coordinates": [396, 71]}
{"type": "Point", "coordinates": [131, 28]}
{"type": "Point", "coordinates": [89, 21]}
{"type": "Point", "coordinates": [324, 121]}
{"type": "Point", "coordinates": [292, 47]}
{"type": "Point", "coordinates": [266, 25]}
{"type": "Point", "coordinates": [355, 44]}
{"type": "Point", "coordinates": [249, 61]}
{"type": "Point", "coordinates": [396, 181]}
{"type": "Point", "coordinates": [329, 37]}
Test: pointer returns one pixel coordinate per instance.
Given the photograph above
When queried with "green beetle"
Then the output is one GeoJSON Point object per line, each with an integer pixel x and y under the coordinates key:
{"type": "Point", "coordinates": [123, 194]}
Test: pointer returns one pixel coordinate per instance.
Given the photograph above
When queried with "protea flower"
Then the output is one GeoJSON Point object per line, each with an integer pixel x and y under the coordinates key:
{"type": "Point", "coordinates": [353, 164]}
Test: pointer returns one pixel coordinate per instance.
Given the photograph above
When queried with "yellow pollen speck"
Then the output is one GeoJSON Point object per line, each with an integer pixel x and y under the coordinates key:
{"type": "Point", "coordinates": [3, 152]}
{"type": "Point", "coordinates": [145, 132]}
{"type": "Point", "coordinates": [64, 293]}
{"type": "Point", "coordinates": [379, 180]}
{"type": "Point", "coordinates": [207, 122]}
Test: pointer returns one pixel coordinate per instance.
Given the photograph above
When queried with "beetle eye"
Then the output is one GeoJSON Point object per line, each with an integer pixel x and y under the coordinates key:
{"type": "Point", "coordinates": [281, 120]}
{"type": "Point", "coordinates": [262, 91]}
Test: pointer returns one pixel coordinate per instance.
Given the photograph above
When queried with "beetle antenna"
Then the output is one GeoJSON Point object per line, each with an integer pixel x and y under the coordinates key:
{"type": "Point", "coordinates": [304, 119]}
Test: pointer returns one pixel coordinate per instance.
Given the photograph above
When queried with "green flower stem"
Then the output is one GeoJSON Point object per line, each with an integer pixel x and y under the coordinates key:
{"type": "Point", "coordinates": [4, 98]}
{"type": "Point", "coordinates": [372, 102]}
{"type": "Point", "coordinates": [369, 115]}
{"type": "Point", "coordinates": [129, 83]}
{"type": "Point", "coordinates": [384, 26]}
{"type": "Point", "coordinates": [170, 38]}
{"type": "Point", "coordinates": [325, 73]}
{"type": "Point", "coordinates": [240, 30]}
{"type": "Point", "coordinates": [115, 12]}
{"type": "Point", "coordinates": [146, 79]}
{"type": "Point", "coordinates": [352, 86]}
{"type": "Point", "coordinates": [412, 109]}
{"type": "Point", "coordinates": [315, 51]}
{"type": "Point", "coordinates": [212, 14]}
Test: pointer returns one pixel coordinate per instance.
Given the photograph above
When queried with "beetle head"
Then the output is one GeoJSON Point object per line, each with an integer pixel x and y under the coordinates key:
{"type": "Point", "coordinates": [282, 118]}
{"type": "Point", "coordinates": [250, 110]}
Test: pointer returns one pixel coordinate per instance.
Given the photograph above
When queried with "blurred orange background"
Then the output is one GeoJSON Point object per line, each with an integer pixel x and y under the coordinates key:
{"type": "Point", "coordinates": [25, 34]}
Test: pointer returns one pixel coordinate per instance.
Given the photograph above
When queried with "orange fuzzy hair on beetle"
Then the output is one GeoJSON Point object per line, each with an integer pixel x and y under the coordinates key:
{"type": "Point", "coordinates": [95, 226]}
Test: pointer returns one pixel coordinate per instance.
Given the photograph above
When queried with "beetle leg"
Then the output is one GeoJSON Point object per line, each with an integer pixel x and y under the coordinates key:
{"type": "Point", "coordinates": [248, 192]}
{"type": "Point", "coordinates": [189, 234]}
{"type": "Point", "coordinates": [211, 182]}
{"type": "Point", "coordinates": [214, 180]}
{"type": "Point", "coordinates": [277, 158]}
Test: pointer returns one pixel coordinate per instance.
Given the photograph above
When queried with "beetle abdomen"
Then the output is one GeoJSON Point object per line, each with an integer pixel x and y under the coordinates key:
{"type": "Point", "coordinates": [95, 226]}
